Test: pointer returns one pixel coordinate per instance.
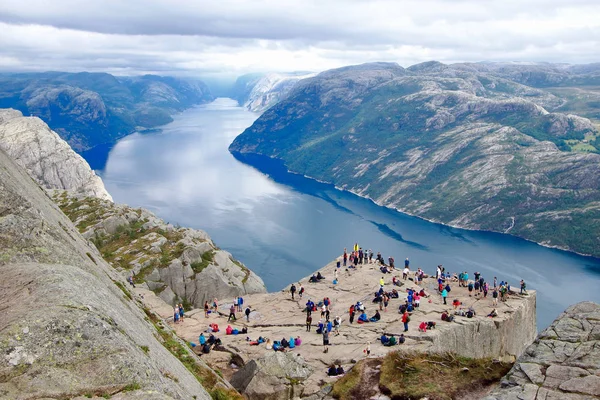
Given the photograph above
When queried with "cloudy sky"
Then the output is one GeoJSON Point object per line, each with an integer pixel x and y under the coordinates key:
{"type": "Point", "coordinates": [199, 37]}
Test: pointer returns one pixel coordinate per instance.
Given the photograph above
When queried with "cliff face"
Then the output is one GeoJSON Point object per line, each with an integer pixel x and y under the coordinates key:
{"type": "Point", "coordinates": [178, 264]}
{"type": "Point", "coordinates": [66, 329]}
{"type": "Point", "coordinates": [563, 362]}
{"type": "Point", "coordinates": [46, 157]}
{"type": "Point", "coordinates": [447, 143]}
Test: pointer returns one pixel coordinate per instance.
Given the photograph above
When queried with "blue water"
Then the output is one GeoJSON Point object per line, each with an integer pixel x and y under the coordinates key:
{"type": "Point", "coordinates": [284, 226]}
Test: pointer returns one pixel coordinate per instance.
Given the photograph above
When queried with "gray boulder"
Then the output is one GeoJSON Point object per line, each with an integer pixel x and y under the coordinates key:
{"type": "Point", "coordinates": [277, 376]}
{"type": "Point", "coordinates": [563, 363]}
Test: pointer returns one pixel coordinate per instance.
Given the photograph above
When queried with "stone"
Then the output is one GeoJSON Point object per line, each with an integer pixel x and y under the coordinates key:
{"type": "Point", "coordinates": [46, 157]}
{"type": "Point", "coordinates": [112, 223]}
{"type": "Point", "coordinates": [563, 362]}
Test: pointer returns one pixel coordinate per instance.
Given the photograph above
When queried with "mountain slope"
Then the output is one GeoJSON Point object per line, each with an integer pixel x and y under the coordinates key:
{"type": "Point", "coordinates": [457, 146]}
{"type": "Point", "coordinates": [46, 157]}
{"type": "Point", "coordinates": [88, 109]}
{"type": "Point", "coordinates": [69, 326]}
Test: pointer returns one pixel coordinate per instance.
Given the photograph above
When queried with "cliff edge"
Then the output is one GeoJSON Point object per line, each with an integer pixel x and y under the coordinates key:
{"type": "Point", "coordinates": [563, 363]}
{"type": "Point", "coordinates": [67, 330]}
{"type": "Point", "coordinates": [46, 157]}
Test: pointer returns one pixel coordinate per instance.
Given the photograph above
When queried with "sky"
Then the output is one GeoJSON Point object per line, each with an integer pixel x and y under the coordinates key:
{"type": "Point", "coordinates": [232, 37]}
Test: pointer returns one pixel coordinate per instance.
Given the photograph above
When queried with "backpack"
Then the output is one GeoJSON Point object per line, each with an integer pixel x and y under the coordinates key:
{"type": "Point", "coordinates": [407, 318]}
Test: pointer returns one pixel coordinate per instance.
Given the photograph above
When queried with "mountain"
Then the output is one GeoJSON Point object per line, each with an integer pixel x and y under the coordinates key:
{"type": "Point", "coordinates": [46, 157]}
{"type": "Point", "coordinates": [88, 109]}
{"type": "Point", "coordinates": [70, 328]}
{"type": "Point", "coordinates": [455, 144]}
{"type": "Point", "coordinates": [258, 92]}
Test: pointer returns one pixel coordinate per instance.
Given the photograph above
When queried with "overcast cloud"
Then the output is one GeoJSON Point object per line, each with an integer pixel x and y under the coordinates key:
{"type": "Point", "coordinates": [198, 37]}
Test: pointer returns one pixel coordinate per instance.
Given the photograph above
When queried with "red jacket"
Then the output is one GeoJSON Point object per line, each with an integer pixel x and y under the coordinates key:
{"type": "Point", "coordinates": [404, 317]}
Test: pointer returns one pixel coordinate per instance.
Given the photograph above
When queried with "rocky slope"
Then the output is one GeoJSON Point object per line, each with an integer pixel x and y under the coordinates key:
{"type": "Point", "coordinates": [563, 362]}
{"type": "Point", "coordinates": [47, 158]}
{"type": "Point", "coordinates": [447, 143]}
{"type": "Point", "coordinates": [69, 326]}
{"type": "Point", "coordinates": [179, 264]}
{"type": "Point", "coordinates": [259, 92]}
{"type": "Point", "coordinates": [88, 109]}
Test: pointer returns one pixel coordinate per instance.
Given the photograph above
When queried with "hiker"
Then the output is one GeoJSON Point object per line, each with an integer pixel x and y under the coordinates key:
{"type": "Point", "coordinates": [320, 327]}
{"type": "Point", "coordinates": [493, 314]}
{"type": "Point", "coordinates": [337, 322]}
{"type": "Point", "coordinates": [444, 295]}
{"type": "Point", "coordinates": [340, 370]}
{"type": "Point", "coordinates": [309, 306]}
{"type": "Point", "coordinates": [345, 257]}
{"type": "Point", "coordinates": [181, 312]}
{"type": "Point", "coordinates": [423, 327]}
{"type": "Point", "coordinates": [240, 303]}
{"type": "Point", "coordinates": [405, 273]}
{"type": "Point", "coordinates": [384, 339]}
{"type": "Point", "coordinates": [351, 312]}
{"type": "Point", "coordinates": [323, 310]}
{"type": "Point", "coordinates": [382, 282]}
{"type": "Point", "coordinates": [495, 296]}
{"type": "Point", "coordinates": [293, 290]}
{"type": "Point", "coordinates": [405, 320]}
{"type": "Point", "coordinates": [401, 339]}
{"type": "Point", "coordinates": [406, 263]}
{"type": "Point", "coordinates": [523, 286]}
{"type": "Point", "coordinates": [456, 303]}
{"type": "Point", "coordinates": [332, 371]}
{"type": "Point", "coordinates": [247, 312]}
{"type": "Point", "coordinates": [206, 307]}
{"type": "Point", "coordinates": [370, 256]}
{"type": "Point", "coordinates": [495, 282]}
{"type": "Point", "coordinates": [391, 262]}
{"type": "Point", "coordinates": [325, 341]}
{"type": "Point", "coordinates": [130, 280]}
{"type": "Point", "coordinates": [308, 322]}
{"type": "Point", "coordinates": [176, 314]}
{"type": "Point", "coordinates": [470, 287]}
{"type": "Point", "coordinates": [376, 317]}
{"type": "Point", "coordinates": [231, 313]}
{"type": "Point", "coordinates": [319, 276]}
{"type": "Point", "coordinates": [335, 277]}
{"type": "Point", "coordinates": [486, 287]}
{"type": "Point", "coordinates": [202, 339]}
{"type": "Point", "coordinates": [301, 292]}
{"type": "Point", "coordinates": [215, 305]}
{"type": "Point", "coordinates": [367, 349]}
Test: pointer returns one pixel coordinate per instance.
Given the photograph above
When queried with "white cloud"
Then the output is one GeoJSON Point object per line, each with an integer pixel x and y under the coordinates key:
{"type": "Point", "coordinates": [176, 37]}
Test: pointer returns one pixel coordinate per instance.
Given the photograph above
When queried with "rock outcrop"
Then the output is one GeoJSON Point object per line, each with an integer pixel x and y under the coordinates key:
{"type": "Point", "coordinates": [179, 264]}
{"type": "Point", "coordinates": [563, 363]}
{"type": "Point", "coordinates": [276, 376]}
{"type": "Point", "coordinates": [46, 157]}
{"type": "Point", "coordinates": [69, 326]}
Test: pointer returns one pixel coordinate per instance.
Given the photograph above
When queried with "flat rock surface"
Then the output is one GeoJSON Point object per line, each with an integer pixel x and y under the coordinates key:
{"type": "Point", "coordinates": [276, 316]}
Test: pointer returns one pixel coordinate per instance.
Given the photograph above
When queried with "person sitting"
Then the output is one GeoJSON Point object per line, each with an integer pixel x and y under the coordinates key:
{"type": "Point", "coordinates": [268, 345]}
{"type": "Point", "coordinates": [471, 312]}
{"type": "Point", "coordinates": [402, 339]}
{"type": "Point", "coordinates": [384, 339]}
{"type": "Point", "coordinates": [423, 294]}
{"type": "Point", "coordinates": [320, 327]}
{"type": "Point", "coordinates": [445, 316]}
{"type": "Point", "coordinates": [332, 371]}
{"type": "Point", "coordinates": [384, 270]}
{"type": "Point", "coordinates": [493, 314]}
{"type": "Point", "coordinates": [430, 324]}
{"type": "Point", "coordinates": [375, 317]}
{"type": "Point", "coordinates": [319, 276]}
{"type": "Point", "coordinates": [313, 279]}
{"type": "Point", "coordinates": [202, 339]}
{"type": "Point", "coordinates": [211, 339]}
{"type": "Point", "coordinates": [423, 327]}
{"type": "Point", "coordinates": [340, 370]}
{"type": "Point", "coordinates": [362, 318]}
{"type": "Point", "coordinates": [277, 346]}
{"type": "Point", "coordinates": [456, 303]}
{"type": "Point", "coordinates": [206, 348]}
{"type": "Point", "coordinates": [394, 294]}
{"type": "Point", "coordinates": [261, 339]}
{"type": "Point", "coordinates": [297, 341]}
{"type": "Point", "coordinates": [284, 343]}
{"type": "Point", "coordinates": [391, 341]}
{"type": "Point", "coordinates": [410, 308]}
{"type": "Point", "coordinates": [244, 329]}
{"type": "Point", "coordinates": [292, 343]}
{"type": "Point", "coordinates": [228, 330]}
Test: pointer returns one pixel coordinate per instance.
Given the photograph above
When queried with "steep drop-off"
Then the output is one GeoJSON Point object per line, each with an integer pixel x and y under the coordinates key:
{"type": "Point", "coordinates": [46, 157]}
{"type": "Point", "coordinates": [447, 143]}
{"type": "Point", "coordinates": [69, 327]}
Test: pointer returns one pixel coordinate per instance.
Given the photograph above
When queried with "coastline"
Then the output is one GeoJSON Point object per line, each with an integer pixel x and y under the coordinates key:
{"type": "Point", "coordinates": [408, 213]}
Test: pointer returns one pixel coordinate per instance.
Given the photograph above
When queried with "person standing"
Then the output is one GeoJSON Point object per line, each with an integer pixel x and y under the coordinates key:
{"type": "Point", "coordinates": [325, 340]}
{"type": "Point", "coordinates": [335, 276]}
{"type": "Point", "coordinates": [301, 291]}
{"type": "Point", "coordinates": [206, 307]}
{"type": "Point", "coordinates": [308, 322]}
{"type": "Point", "coordinates": [406, 263]}
{"type": "Point", "coordinates": [405, 320]}
{"type": "Point", "coordinates": [181, 312]}
{"type": "Point", "coordinates": [345, 257]}
{"type": "Point", "coordinates": [293, 290]}
{"type": "Point", "coordinates": [130, 280]}
{"type": "Point", "coordinates": [382, 282]}
{"type": "Point", "coordinates": [367, 350]}
{"type": "Point", "coordinates": [176, 314]}
{"type": "Point", "coordinates": [351, 312]}
{"type": "Point", "coordinates": [495, 297]}
{"type": "Point", "coordinates": [444, 295]}
{"type": "Point", "coordinates": [240, 303]}
{"type": "Point", "coordinates": [247, 312]}
{"type": "Point", "coordinates": [231, 314]}
{"type": "Point", "coordinates": [523, 286]}
{"type": "Point", "coordinates": [405, 273]}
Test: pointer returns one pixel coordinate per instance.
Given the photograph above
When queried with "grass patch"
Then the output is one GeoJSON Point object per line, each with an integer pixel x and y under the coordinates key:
{"type": "Point", "coordinates": [207, 258]}
{"type": "Point", "coordinates": [131, 387]}
{"type": "Point", "coordinates": [343, 388]}
{"type": "Point", "coordinates": [146, 349]}
{"type": "Point", "coordinates": [124, 289]}
{"type": "Point", "coordinates": [436, 376]}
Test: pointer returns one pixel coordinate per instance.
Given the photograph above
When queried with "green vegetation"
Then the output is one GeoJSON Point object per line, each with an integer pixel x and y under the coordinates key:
{"type": "Point", "coordinates": [207, 258]}
{"type": "Point", "coordinates": [416, 375]}
{"type": "Point", "coordinates": [207, 377]}
{"type": "Point", "coordinates": [146, 349]}
{"type": "Point", "coordinates": [123, 289]}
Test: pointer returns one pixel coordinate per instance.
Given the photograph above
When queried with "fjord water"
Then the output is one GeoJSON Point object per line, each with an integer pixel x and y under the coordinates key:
{"type": "Point", "coordinates": [284, 226]}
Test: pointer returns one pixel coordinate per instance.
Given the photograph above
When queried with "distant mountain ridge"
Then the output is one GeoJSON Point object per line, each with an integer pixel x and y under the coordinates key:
{"type": "Point", "coordinates": [88, 109]}
{"type": "Point", "coordinates": [449, 143]}
{"type": "Point", "coordinates": [259, 92]}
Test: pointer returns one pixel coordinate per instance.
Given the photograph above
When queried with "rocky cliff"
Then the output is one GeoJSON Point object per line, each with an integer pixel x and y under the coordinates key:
{"type": "Point", "coordinates": [259, 92]}
{"type": "Point", "coordinates": [178, 264]}
{"type": "Point", "coordinates": [69, 326]}
{"type": "Point", "coordinates": [563, 362]}
{"type": "Point", "coordinates": [88, 109]}
{"type": "Point", "coordinates": [46, 157]}
{"type": "Point", "coordinates": [451, 144]}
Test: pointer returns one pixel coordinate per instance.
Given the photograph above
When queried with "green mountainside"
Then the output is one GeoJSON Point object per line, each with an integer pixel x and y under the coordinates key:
{"type": "Point", "coordinates": [466, 145]}
{"type": "Point", "coordinates": [88, 109]}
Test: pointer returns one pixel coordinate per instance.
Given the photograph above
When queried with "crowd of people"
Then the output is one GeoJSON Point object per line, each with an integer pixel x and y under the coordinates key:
{"type": "Point", "coordinates": [407, 287]}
